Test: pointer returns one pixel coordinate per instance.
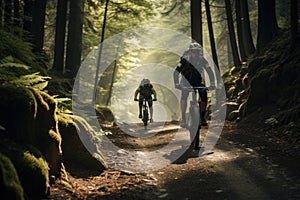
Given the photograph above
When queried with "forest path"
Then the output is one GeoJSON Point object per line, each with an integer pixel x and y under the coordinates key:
{"type": "Point", "coordinates": [243, 166]}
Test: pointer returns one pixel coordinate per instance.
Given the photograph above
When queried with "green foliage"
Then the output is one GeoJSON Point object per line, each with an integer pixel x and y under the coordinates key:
{"type": "Point", "coordinates": [12, 71]}
{"type": "Point", "coordinates": [13, 48]}
{"type": "Point", "coordinates": [10, 186]}
{"type": "Point", "coordinates": [34, 80]}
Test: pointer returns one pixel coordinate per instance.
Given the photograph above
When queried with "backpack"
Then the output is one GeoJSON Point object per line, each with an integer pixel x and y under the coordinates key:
{"type": "Point", "coordinates": [189, 71]}
{"type": "Point", "coordinates": [145, 90]}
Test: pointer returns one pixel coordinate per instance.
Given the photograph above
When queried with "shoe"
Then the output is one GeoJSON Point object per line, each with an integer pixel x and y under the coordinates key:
{"type": "Point", "coordinates": [204, 123]}
{"type": "Point", "coordinates": [140, 116]}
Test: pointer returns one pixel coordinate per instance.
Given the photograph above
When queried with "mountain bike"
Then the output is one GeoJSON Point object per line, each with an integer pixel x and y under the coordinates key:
{"type": "Point", "coordinates": [145, 112]}
{"type": "Point", "coordinates": [193, 117]}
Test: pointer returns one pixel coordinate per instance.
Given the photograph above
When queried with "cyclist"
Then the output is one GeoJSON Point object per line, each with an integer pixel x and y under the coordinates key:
{"type": "Point", "coordinates": [145, 91]}
{"type": "Point", "coordinates": [191, 67]}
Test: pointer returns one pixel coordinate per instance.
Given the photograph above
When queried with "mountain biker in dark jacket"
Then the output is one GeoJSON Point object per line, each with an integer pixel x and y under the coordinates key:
{"type": "Point", "coordinates": [145, 91]}
{"type": "Point", "coordinates": [190, 69]}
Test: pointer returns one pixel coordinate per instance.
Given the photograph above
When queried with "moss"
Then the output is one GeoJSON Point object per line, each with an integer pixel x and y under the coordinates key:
{"type": "Point", "coordinates": [29, 116]}
{"type": "Point", "coordinates": [10, 186]}
{"type": "Point", "coordinates": [74, 151]}
{"type": "Point", "coordinates": [32, 169]}
{"type": "Point", "coordinates": [18, 109]}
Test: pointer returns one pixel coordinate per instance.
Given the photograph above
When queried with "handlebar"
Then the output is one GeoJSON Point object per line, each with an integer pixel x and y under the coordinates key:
{"type": "Point", "coordinates": [145, 99]}
{"type": "Point", "coordinates": [195, 87]}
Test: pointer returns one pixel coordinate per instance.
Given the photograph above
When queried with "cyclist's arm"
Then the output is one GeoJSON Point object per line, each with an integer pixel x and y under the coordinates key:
{"type": "Point", "coordinates": [136, 92]}
{"type": "Point", "coordinates": [153, 92]}
{"type": "Point", "coordinates": [178, 71]}
{"type": "Point", "coordinates": [210, 74]}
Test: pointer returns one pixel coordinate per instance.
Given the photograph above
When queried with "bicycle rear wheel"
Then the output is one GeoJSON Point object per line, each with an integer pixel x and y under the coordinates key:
{"type": "Point", "coordinates": [145, 117]}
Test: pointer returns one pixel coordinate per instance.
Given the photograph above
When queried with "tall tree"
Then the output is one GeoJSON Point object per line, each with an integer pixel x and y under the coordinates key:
{"type": "Point", "coordinates": [100, 50]}
{"type": "Point", "coordinates": [17, 20]}
{"type": "Point", "coordinates": [235, 53]}
{"type": "Point", "coordinates": [211, 34]}
{"type": "Point", "coordinates": [74, 40]}
{"type": "Point", "coordinates": [246, 29]}
{"type": "Point", "coordinates": [38, 19]}
{"type": "Point", "coordinates": [1, 12]}
{"type": "Point", "coordinates": [239, 28]}
{"type": "Point", "coordinates": [294, 20]}
{"type": "Point", "coordinates": [196, 21]}
{"type": "Point", "coordinates": [60, 35]}
{"type": "Point", "coordinates": [27, 21]}
{"type": "Point", "coordinates": [8, 12]}
{"type": "Point", "coordinates": [267, 24]}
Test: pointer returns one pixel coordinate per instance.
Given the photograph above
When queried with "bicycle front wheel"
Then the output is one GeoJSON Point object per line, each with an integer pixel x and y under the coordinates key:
{"type": "Point", "coordinates": [193, 121]}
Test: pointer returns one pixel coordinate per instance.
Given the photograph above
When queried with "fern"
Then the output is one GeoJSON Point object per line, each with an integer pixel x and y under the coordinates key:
{"type": "Point", "coordinates": [12, 71]}
{"type": "Point", "coordinates": [64, 104]}
{"type": "Point", "coordinates": [34, 80]}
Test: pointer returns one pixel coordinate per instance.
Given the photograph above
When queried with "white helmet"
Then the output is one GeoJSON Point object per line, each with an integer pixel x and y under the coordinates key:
{"type": "Point", "coordinates": [145, 81]}
{"type": "Point", "coordinates": [195, 46]}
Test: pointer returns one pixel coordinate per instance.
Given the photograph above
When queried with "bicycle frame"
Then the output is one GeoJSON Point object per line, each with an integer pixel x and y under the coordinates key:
{"type": "Point", "coordinates": [193, 119]}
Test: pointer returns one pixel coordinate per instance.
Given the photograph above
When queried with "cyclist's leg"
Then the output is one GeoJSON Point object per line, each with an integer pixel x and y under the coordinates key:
{"type": "Point", "coordinates": [150, 103]}
{"type": "Point", "coordinates": [183, 105]}
{"type": "Point", "coordinates": [140, 106]}
{"type": "Point", "coordinates": [203, 104]}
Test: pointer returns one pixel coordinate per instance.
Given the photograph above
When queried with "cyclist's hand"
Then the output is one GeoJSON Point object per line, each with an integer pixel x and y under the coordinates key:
{"type": "Point", "coordinates": [154, 99]}
{"type": "Point", "coordinates": [135, 99]}
{"type": "Point", "coordinates": [177, 86]}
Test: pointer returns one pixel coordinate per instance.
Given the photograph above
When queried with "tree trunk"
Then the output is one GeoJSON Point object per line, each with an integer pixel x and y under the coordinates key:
{"type": "Point", "coordinates": [239, 28]}
{"type": "Point", "coordinates": [211, 34]}
{"type": "Point", "coordinates": [246, 29]}
{"type": "Point", "coordinates": [267, 24]}
{"type": "Point", "coordinates": [17, 20]}
{"type": "Point", "coordinates": [27, 24]}
{"type": "Point", "coordinates": [100, 51]}
{"type": "Point", "coordinates": [60, 35]}
{"type": "Point", "coordinates": [8, 13]}
{"type": "Point", "coordinates": [1, 12]}
{"type": "Point", "coordinates": [294, 21]}
{"type": "Point", "coordinates": [74, 40]}
{"type": "Point", "coordinates": [38, 19]}
{"type": "Point", "coordinates": [196, 21]}
{"type": "Point", "coordinates": [232, 37]}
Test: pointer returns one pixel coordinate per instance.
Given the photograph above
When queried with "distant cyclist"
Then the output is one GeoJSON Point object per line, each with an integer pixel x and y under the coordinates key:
{"type": "Point", "coordinates": [191, 66]}
{"type": "Point", "coordinates": [145, 91]}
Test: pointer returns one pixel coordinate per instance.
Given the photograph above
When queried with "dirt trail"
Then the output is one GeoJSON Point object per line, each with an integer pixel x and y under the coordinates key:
{"type": "Point", "coordinates": [242, 166]}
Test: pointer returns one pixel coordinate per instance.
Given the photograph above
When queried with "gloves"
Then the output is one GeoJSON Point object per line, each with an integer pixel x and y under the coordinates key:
{"type": "Point", "coordinates": [177, 86]}
{"type": "Point", "coordinates": [135, 99]}
{"type": "Point", "coordinates": [154, 99]}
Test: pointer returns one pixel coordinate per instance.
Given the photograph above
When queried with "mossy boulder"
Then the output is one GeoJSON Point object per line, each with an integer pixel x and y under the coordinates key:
{"type": "Point", "coordinates": [10, 186]}
{"type": "Point", "coordinates": [29, 117]}
{"type": "Point", "coordinates": [76, 134]}
{"type": "Point", "coordinates": [31, 167]}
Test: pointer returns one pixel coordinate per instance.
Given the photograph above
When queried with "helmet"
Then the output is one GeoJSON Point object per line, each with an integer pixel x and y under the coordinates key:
{"type": "Point", "coordinates": [196, 49]}
{"type": "Point", "coordinates": [195, 46]}
{"type": "Point", "coordinates": [145, 81]}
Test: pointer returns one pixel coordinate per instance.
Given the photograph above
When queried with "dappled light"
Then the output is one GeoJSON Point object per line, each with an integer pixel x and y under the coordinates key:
{"type": "Point", "coordinates": [152, 99]}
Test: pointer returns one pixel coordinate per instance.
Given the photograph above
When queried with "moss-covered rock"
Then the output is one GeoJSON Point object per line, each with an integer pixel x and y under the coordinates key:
{"type": "Point", "coordinates": [10, 186]}
{"type": "Point", "coordinates": [29, 117]}
{"type": "Point", "coordinates": [31, 167]}
{"type": "Point", "coordinates": [75, 152]}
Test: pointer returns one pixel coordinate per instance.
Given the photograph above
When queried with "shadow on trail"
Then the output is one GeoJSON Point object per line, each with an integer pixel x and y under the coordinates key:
{"type": "Point", "coordinates": [189, 153]}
